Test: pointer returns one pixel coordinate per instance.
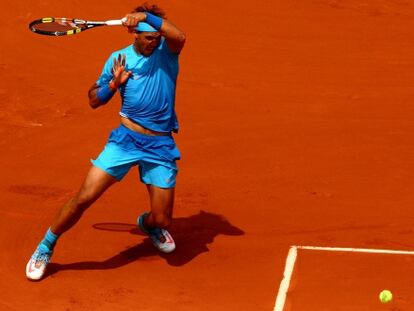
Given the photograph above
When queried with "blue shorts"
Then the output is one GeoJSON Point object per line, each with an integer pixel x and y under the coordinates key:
{"type": "Point", "coordinates": [155, 156]}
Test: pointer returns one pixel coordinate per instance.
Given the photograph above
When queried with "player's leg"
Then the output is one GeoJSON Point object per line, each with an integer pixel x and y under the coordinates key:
{"type": "Point", "coordinates": [160, 181]}
{"type": "Point", "coordinates": [95, 184]}
{"type": "Point", "coordinates": [112, 165]}
{"type": "Point", "coordinates": [155, 222]}
{"type": "Point", "coordinates": [162, 203]}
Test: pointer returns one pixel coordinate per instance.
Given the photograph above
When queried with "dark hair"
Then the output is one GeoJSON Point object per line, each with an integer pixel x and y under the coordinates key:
{"type": "Point", "coordinates": [150, 8]}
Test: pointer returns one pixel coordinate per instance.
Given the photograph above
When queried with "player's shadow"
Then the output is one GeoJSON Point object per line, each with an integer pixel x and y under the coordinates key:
{"type": "Point", "coordinates": [192, 235]}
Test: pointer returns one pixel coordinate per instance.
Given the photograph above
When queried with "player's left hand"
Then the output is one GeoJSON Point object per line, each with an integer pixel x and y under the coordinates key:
{"type": "Point", "coordinates": [119, 72]}
{"type": "Point", "coordinates": [133, 19]}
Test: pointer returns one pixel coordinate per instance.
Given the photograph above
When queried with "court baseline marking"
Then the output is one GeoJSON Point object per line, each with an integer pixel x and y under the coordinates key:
{"type": "Point", "coordinates": [291, 259]}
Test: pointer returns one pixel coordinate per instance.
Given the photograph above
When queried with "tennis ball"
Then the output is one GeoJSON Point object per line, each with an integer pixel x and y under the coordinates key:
{"type": "Point", "coordinates": [385, 296]}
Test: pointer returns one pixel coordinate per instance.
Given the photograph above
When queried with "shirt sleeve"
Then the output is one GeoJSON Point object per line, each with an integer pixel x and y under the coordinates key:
{"type": "Point", "coordinates": [106, 74]}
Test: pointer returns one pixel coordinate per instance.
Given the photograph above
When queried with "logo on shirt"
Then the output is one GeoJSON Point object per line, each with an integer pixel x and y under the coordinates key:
{"type": "Point", "coordinates": [136, 76]}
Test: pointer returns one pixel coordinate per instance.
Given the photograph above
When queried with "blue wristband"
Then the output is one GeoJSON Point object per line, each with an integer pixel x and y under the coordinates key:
{"type": "Point", "coordinates": [104, 93]}
{"type": "Point", "coordinates": [153, 20]}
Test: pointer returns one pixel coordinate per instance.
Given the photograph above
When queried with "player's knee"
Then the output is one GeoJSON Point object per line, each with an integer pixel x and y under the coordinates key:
{"type": "Point", "coordinates": [82, 201]}
{"type": "Point", "coordinates": [74, 209]}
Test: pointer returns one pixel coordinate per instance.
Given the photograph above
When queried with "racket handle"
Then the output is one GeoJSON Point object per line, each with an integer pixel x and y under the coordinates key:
{"type": "Point", "coordinates": [115, 22]}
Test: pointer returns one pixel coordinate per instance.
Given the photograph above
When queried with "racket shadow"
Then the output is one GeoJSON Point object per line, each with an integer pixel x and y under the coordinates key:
{"type": "Point", "coordinates": [192, 235]}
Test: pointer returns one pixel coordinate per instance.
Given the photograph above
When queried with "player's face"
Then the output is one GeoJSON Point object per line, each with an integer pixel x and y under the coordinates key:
{"type": "Point", "coordinates": [147, 42]}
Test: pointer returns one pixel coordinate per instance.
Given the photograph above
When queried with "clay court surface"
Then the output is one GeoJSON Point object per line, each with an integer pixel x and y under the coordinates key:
{"type": "Point", "coordinates": [296, 129]}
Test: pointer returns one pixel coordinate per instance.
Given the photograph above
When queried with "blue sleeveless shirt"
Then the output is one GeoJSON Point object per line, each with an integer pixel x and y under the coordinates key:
{"type": "Point", "coordinates": [148, 96]}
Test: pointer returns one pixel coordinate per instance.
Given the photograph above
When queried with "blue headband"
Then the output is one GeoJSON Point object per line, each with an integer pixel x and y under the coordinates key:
{"type": "Point", "coordinates": [144, 27]}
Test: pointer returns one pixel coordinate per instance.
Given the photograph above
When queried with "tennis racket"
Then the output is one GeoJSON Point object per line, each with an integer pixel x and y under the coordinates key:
{"type": "Point", "coordinates": [54, 26]}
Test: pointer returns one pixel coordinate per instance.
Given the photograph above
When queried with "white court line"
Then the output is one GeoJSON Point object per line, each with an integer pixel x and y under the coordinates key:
{"type": "Point", "coordinates": [291, 259]}
{"type": "Point", "coordinates": [356, 250]}
{"type": "Point", "coordinates": [287, 274]}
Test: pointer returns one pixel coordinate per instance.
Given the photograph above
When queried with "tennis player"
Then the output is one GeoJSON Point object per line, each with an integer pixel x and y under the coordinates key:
{"type": "Point", "coordinates": [145, 73]}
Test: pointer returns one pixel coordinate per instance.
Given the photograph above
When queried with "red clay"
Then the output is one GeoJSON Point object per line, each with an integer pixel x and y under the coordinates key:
{"type": "Point", "coordinates": [296, 128]}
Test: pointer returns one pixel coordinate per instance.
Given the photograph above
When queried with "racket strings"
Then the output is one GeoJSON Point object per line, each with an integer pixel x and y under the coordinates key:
{"type": "Point", "coordinates": [65, 26]}
{"type": "Point", "coordinates": [59, 26]}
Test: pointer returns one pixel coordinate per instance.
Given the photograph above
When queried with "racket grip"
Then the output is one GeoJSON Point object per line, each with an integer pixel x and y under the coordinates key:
{"type": "Point", "coordinates": [115, 22]}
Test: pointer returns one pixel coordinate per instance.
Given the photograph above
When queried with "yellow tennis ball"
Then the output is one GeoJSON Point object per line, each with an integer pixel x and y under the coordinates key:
{"type": "Point", "coordinates": [385, 296]}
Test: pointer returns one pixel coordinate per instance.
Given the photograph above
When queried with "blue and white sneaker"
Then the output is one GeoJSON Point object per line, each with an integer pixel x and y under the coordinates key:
{"type": "Point", "coordinates": [160, 237]}
{"type": "Point", "coordinates": [36, 267]}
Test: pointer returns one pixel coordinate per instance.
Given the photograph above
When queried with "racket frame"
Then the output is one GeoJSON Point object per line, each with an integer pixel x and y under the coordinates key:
{"type": "Point", "coordinates": [76, 21]}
